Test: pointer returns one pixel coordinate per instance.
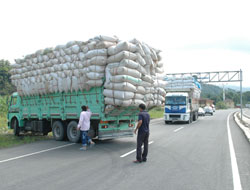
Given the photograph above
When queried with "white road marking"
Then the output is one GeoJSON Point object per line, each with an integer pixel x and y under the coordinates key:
{"type": "Point", "coordinates": [178, 129]}
{"type": "Point", "coordinates": [122, 156]}
{"type": "Point", "coordinates": [235, 170]}
{"type": "Point", "coordinates": [34, 153]}
{"type": "Point", "coordinates": [158, 122]}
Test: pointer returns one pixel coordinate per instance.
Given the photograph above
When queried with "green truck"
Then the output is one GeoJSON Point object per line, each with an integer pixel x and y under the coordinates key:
{"type": "Point", "coordinates": [60, 112]}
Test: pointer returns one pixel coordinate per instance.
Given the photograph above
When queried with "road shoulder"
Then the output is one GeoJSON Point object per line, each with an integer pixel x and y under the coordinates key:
{"type": "Point", "coordinates": [243, 125]}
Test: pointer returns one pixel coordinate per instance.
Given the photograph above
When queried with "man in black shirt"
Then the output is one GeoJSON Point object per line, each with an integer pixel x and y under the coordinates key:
{"type": "Point", "coordinates": [143, 134]}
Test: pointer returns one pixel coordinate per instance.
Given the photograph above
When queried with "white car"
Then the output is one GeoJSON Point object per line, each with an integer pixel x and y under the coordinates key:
{"type": "Point", "coordinates": [201, 112]}
{"type": "Point", "coordinates": [209, 110]}
{"type": "Point", "coordinates": [213, 109]}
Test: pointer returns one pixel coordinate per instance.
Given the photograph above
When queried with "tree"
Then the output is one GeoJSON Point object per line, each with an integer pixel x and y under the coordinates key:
{"type": "Point", "coordinates": [246, 97]}
{"type": "Point", "coordinates": [6, 87]}
{"type": "Point", "coordinates": [221, 105]}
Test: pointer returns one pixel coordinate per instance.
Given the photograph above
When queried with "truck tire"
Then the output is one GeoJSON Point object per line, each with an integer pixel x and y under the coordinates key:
{"type": "Point", "coordinates": [15, 126]}
{"type": "Point", "coordinates": [58, 130]}
{"type": "Point", "coordinates": [190, 119]}
{"type": "Point", "coordinates": [195, 116]}
{"type": "Point", "coordinates": [72, 133]}
{"type": "Point", "coordinates": [45, 133]}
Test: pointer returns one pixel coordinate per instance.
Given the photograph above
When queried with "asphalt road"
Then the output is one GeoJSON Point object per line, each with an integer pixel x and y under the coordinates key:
{"type": "Point", "coordinates": [181, 157]}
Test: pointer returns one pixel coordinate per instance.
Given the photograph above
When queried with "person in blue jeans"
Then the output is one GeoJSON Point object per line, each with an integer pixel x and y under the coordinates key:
{"type": "Point", "coordinates": [83, 126]}
{"type": "Point", "coordinates": [143, 134]}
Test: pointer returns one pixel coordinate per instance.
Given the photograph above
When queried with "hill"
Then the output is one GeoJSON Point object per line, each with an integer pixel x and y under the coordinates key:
{"type": "Point", "coordinates": [208, 90]}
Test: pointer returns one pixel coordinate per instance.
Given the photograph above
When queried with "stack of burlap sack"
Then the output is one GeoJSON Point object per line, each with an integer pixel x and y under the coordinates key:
{"type": "Point", "coordinates": [133, 75]}
{"type": "Point", "coordinates": [183, 84]}
{"type": "Point", "coordinates": [129, 70]}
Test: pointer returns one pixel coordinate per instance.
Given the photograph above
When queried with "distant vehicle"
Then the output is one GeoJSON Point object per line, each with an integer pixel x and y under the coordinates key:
{"type": "Point", "coordinates": [209, 110]}
{"type": "Point", "coordinates": [213, 107]}
{"type": "Point", "coordinates": [201, 112]}
{"type": "Point", "coordinates": [181, 106]}
{"type": "Point", "coordinates": [182, 100]}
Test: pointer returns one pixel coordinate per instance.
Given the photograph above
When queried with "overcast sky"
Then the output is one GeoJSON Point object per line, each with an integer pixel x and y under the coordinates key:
{"type": "Point", "coordinates": [194, 36]}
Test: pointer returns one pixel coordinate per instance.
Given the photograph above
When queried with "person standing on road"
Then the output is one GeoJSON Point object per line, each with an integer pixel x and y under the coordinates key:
{"type": "Point", "coordinates": [83, 126]}
{"type": "Point", "coordinates": [143, 134]}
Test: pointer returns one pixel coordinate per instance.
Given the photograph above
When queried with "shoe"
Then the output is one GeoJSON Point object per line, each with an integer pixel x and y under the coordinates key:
{"type": "Point", "coordinates": [92, 143]}
{"type": "Point", "coordinates": [83, 148]}
{"type": "Point", "coordinates": [144, 160]}
{"type": "Point", "coordinates": [137, 161]}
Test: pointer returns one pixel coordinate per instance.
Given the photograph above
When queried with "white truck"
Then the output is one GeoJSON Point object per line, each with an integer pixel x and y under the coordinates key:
{"type": "Point", "coordinates": [182, 100]}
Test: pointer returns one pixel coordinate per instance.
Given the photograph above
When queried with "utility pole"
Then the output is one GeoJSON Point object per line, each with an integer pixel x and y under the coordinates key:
{"type": "Point", "coordinates": [241, 93]}
{"type": "Point", "coordinates": [224, 97]}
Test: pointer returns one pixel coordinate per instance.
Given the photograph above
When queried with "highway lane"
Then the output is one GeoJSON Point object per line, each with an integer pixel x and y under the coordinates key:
{"type": "Point", "coordinates": [194, 156]}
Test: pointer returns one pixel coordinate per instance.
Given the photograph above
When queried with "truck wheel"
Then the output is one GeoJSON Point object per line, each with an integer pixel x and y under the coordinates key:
{"type": "Point", "coordinates": [190, 119]}
{"type": "Point", "coordinates": [58, 131]}
{"type": "Point", "coordinates": [72, 133]}
{"type": "Point", "coordinates": [45, 133]}
{"type": "Point", "coordinates": [195, 116]}
{"type": "Point", "coordinates": [15, 126]}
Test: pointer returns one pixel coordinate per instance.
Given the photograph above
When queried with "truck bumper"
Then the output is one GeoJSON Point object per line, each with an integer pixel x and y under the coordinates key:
{"type": "Point", "coordinates": [176, 117]}
{"type": "Point", "coordinates": [114, 133]}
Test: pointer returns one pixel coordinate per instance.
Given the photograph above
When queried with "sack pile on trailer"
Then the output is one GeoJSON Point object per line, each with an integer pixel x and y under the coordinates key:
{"type": "Point", "coordinates": [183, 84]}
{"type": "Point", "coordinates": [131, 69]}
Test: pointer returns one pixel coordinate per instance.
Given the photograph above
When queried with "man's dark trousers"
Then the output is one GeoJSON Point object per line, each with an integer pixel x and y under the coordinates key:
{"type": "Point", "coordinates": [142, 138]}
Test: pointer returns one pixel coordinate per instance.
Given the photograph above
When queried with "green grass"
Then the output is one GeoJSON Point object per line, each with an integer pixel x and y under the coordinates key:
{"type": "Point", "coordinates": [7, 139]}
{"type": "Point", "coordinates": [157, 112]}
{"type": "Point", "coordinates": [3, 125]}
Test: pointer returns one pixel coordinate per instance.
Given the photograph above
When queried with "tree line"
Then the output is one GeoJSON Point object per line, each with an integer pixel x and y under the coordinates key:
{"type": "Point", "coordinates": [6, 88]}
{"type": "Point", "coordinates": [216, 93]}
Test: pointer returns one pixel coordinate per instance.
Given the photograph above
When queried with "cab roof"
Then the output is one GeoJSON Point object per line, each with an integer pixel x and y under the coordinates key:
{"type": "Point", "coordinates": [177, 94]}
{"type": "Point", "coordinates": [15, 94]}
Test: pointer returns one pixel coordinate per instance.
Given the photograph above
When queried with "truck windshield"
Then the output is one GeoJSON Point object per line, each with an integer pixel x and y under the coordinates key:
{"type": "Point", "coordinates": [13, 101]}
{"type": "Point", "coordinates": [176, 100]}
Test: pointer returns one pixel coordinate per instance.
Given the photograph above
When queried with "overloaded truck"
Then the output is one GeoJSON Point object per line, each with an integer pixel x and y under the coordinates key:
{"type": "Point", "coordinates": [110, 76]}
{"type": "Point", "coordinates": [182, 100]}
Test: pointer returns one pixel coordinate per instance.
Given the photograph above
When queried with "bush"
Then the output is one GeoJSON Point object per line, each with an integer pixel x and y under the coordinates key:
{"type": "Point", "coordinates": [3, 105]}
{"type": "Point", "coordinates": [221, 105]}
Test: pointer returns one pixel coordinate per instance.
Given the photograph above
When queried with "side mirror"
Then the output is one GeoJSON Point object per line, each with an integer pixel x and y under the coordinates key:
{"type": "Point", "coordinates": [7, 100]}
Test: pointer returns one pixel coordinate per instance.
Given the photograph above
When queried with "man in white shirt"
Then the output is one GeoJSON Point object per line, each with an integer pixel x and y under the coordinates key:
{"type": "Point", "coordinates": [83, 126]}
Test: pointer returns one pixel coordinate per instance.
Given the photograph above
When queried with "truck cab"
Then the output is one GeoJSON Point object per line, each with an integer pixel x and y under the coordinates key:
{"type": "Point", "coordinates": [177, 107]}
{"type": "Point", "coordinates": [14, 120]}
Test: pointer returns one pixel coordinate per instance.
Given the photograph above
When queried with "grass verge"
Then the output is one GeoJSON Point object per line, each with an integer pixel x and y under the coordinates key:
{"type": "Point", "coordinates": [156, 112]}
{"type": "Point", "coordinates": [7, 139]}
